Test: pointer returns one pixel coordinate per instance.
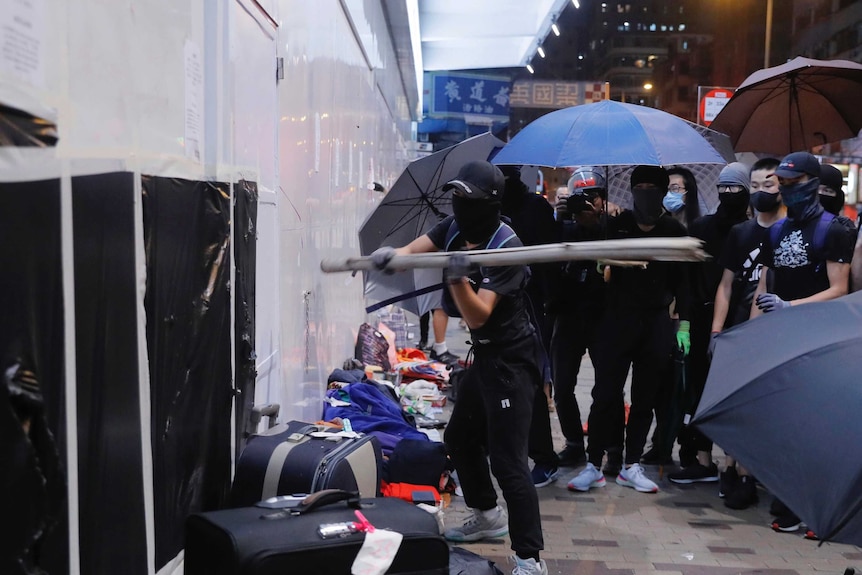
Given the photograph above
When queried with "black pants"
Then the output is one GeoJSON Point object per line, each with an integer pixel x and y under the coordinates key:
{"type": "Point", "coordinates": [691, 440]}
{"type": "Point", "coordinates": [640, 339]}
{"type": "Point", "coordinates": [574, 334]}
{"type": "Point", "coordinates": [491, 421]}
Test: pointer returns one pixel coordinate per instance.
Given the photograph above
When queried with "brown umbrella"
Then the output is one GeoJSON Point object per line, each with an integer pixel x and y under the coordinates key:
{"type": "Point", "coordinates": [794, 106]}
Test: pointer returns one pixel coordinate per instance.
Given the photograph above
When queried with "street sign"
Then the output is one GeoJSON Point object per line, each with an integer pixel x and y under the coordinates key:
{"type": "Point", "coordinates": [710, 102]}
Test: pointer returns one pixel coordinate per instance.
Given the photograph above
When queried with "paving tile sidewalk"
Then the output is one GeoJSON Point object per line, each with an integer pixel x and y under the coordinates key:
{"type": "Point", "coordinates": [682, 529]}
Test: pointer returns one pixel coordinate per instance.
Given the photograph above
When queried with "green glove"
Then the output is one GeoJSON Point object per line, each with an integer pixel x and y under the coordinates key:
{"type": "Point", "coordinates": [683, 337]}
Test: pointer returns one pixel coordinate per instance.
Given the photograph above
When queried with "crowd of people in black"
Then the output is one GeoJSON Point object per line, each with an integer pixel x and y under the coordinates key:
{"type": "Point", "coordinates": [776, 239]}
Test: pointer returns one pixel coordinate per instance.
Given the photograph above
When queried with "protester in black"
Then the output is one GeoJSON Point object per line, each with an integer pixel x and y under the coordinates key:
{"type": "Point", "coordinates": [713, 229]}
{"type": "Point", "coordinates": [491, 419]}
{"type": "Point", "coordinates": [636, 331]}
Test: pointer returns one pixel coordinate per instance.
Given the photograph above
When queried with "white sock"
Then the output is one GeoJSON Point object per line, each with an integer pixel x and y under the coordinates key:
{"type": "Point", "coordinates": [440, 348]}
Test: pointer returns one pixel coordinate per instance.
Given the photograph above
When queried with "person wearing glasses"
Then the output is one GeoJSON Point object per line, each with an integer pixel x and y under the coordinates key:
{"type": "Point", "coordinates": [713, 229]}
{"type": "Point", "coordinates": [682, 200]}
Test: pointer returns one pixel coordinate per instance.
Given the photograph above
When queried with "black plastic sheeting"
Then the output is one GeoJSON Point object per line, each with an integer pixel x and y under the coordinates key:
{"type": "Point", "coordinates": [33, 503]}
{"type": "Point", "coordinates": [187, 241]}
{"type": "Point", "coordinates": [110, 468]}
{"type": "Point", "coordinates": [18, 128]}
{"type": "Point", "coordinates": [245, 260]}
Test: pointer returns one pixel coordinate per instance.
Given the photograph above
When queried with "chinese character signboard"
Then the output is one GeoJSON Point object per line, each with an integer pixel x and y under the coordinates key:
{"type": "Point", "coordinates": [711, 100]}
{"type": "Point", "coordinates": [457, 95]}
{"type": "Point", "coordinates": [556, 95]}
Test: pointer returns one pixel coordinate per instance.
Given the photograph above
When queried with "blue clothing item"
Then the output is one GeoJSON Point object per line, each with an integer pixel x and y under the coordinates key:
{"type": "Point", "coordinates": [371, 412]}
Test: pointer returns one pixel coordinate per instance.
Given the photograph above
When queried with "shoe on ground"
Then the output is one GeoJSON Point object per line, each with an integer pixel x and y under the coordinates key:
{"type": "Point", "coordinates": [572, 456]}
{"type": "Point", "coordinates": [787, 523]}
{"type": "Point", "coordinates": [446, 357]}
{"type": "Point", "coordinates": [528, 566]}
{"type": "Point", "coordinates": [634, 477]}
{"type": "Point", "coordinates": [654, 457]}
{"type": "Point", "coordinates": [727, 481]}
{"type": "Point", "coordinates": [482, 525]}
{"type": "Point", "coordinates": [587, 478]}
{"type": "Point", "coordinates": [743, 496]}
{"type": "Point", "coordinates": [696, 473]}
{"type": "Point", "coordinates": [614, 464]}
{"type": "Point", "coordinates": [544, 474]}
{"type": "Point", "coordinates": [422, 345]}
{"type": "Point", "coordinates": [811, 535]}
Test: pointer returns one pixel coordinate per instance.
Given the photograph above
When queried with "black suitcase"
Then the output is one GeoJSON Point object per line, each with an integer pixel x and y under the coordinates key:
{"type": "Point", "coordinates": [297, 457]}
{"type": "Point", "coordinates": [264, 541]}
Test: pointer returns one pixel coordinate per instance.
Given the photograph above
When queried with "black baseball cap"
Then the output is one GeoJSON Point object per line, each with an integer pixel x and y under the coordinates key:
{"type": "Point", "coordinates": [798, 163]}
{"type": "Point", "coordinates": [478, 180]}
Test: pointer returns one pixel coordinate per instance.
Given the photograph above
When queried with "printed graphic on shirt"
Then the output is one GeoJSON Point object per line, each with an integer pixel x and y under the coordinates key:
{"type": "Point", "coordinates": [792, 251]}
{"type": "Point", "coordinates": [750, 268]}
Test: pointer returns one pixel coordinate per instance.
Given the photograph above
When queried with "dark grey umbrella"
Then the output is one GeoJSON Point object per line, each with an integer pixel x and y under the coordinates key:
{"type": "Point", "coordinates": [794, 106]}
{"type": "Point", "coordinates": [784, 396]}
{"type": "Point", "coordinates": [413, 205]}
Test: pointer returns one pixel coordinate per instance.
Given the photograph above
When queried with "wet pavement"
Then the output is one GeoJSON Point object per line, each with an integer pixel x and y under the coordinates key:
{"type": "Point", "coordinates": [681, 530]}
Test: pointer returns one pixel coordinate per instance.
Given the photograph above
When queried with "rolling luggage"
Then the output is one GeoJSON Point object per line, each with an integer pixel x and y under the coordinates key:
{"type": "Point", "coordinates": [264, 541]}
{"type": "Point", "coordinates": [297, 457]}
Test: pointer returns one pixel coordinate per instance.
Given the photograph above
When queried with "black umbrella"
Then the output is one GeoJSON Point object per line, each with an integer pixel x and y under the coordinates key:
{"type": "Point", "coordinates": [784, 397]}
{"type": "Point", "coordinates": [794, 106]}
{"type": "Point", "coordinates": [413, 205]}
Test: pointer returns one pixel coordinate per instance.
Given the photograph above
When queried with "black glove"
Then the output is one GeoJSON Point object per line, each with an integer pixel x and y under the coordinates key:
{"type": "Point", "coordinates": [459, 267]}
{"type": "Point", "coordinates": [711, 349]}
{"type": "Point", "coordinates": [381, 257]}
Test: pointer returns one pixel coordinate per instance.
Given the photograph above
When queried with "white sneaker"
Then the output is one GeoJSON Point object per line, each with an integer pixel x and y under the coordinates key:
{"type": "Point", "coordinates": [482, 525]}
{"type": "Point", "coordinates": [634, 477]}
{"type": "Point", "coordinates": [528, 566]}
{"type": "Point", "coordinates": [588, 477]}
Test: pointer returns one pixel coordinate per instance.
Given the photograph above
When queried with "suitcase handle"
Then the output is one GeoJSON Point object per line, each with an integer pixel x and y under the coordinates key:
{"type": "Point", "coordinates": [325, 497]}
{"type": "Point", "coordinates": [318, 499]}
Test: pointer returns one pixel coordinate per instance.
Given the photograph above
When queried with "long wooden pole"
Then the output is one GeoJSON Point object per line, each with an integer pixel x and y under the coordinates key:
{"type": "Point", "coordinates": [624, 252]}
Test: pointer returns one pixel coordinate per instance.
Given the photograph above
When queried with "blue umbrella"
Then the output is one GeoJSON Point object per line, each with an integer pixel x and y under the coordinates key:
{"type": "Point", "coordinates": [608, 133]}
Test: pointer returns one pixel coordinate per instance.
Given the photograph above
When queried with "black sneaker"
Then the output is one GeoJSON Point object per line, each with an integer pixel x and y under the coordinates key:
{"type": "Point", "coordinates": [544, 474]}
{"type": "Point", "coordinates": [787, 523]}
{"type": "Point", "coordinates": [777, 508]}
{"type": "Point", "coordinates": [446, 357]}
{"type": "Point", "coordinates": [744, 494]}
{"type": "Point", "coordinates": [571, 456]}
{"type": "Point", "coordinates": [654, 457]}
{"type": "Point", "coordinates": [727, 481]}
{"type": "Point", "coordinates": [696, 473]}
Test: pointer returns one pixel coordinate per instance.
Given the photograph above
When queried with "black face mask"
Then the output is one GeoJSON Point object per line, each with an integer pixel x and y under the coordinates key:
{"type": "Point", "coordinates": [476, 219]}
{"type": "Point", "coordinates": [832, 204]}
{"type": "Point", "coordinates": [765, 202]}
{"type": "Point", "coordinates": [802, 200]}
{"type": "Point", "coordinates": [647, 205]}
{"type": "Point", "coordinates": [732, 207]}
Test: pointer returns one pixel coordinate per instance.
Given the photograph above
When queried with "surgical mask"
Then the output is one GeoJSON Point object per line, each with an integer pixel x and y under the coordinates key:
{"type": "Point", "coordinates": [673, 202]}
{"type": "Point", "coordinates": [801, 199]}
{"type": "Point", "coordinates": [765, 202]}
{"type": "Point", "coordinates": [647, 205]}
{"type": "Point", "coordinates": [476, 219]}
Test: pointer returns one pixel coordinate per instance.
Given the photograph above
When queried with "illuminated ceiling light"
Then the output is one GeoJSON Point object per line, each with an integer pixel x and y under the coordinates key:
{"type": "Point", "coordinates": [540, 50]}
{"type": "Point", "coordinates": [648, 86]}
{"type": "Point", "coordinates": [555, 29]}
{"type": "Point", "coordinates": [530, 68]}
{"type": "Point", "coordinates": [576, 3]}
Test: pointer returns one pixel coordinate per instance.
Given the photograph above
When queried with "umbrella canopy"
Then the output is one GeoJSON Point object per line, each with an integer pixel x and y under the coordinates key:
{"type": "Point", "coordinates": [784, 396]}
{"type": "Point", "coordinates": [608, 133]}
{"type": "Point", "coordinates": [794, 106]}
{"type": "Point", "coordinates": [413, 205]}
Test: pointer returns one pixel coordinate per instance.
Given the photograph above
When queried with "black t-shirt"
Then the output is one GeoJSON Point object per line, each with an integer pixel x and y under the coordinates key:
{"type": "Point", "coordinates": [800, 269]}
{"type": "Point", "coordinates": [578, 287]}
{"type": "Point", "coordinates": [656, 286]}
{"type": "Point", "coordinates": [509, 321]}
{"type": "Point", "coordinates": [740, 256]}
{"type": "Point", "coordinates": [706, 275]}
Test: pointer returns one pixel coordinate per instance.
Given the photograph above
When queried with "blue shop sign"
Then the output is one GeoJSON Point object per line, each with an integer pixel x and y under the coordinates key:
{"type": "Point", "coordinates": [469, 94]}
